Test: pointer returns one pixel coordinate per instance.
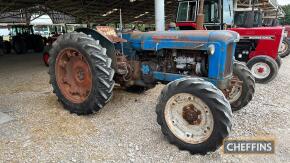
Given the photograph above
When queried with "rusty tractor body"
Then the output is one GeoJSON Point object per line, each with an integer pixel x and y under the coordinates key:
{"type": "Point", "coordinates": [197, 67]}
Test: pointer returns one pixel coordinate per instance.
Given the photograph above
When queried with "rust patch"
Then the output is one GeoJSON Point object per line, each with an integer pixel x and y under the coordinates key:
{"type": "Point", "coordinates": [191, 115]}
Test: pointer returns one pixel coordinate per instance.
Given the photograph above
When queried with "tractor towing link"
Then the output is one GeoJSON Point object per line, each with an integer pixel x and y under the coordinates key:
{"type": "Point", "coordinates": [192, 110]}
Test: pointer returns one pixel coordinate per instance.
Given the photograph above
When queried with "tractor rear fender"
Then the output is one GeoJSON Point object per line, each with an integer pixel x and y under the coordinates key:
{"type": "Point", "coordinates": [105, 43]}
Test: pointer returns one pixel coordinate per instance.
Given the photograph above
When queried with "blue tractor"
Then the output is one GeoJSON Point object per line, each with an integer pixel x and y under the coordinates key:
{"type": "Point", "coordinates": [194, 108]}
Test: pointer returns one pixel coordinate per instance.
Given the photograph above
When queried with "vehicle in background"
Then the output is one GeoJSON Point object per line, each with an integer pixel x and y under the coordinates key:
{"type": "Point", "coordinates": [258, 46]}
{"type": "Point", "coordinates": [265, 19]}
{"type": "Point", "coordinates": [49, 42]}
{"type": "Point", "coordinates": [22, 39]}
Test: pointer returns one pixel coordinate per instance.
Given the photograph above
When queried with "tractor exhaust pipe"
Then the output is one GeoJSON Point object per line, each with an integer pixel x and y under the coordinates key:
{"type": "Point", "coordinates": [200, 16]}
{"type": "Point", "coordinates": [159, 15]}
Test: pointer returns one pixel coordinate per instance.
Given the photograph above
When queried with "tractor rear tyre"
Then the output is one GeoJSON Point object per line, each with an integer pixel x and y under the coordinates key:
{"type": "Point", "coordinates": [279, 61]}
{"type": "Point", "coordinates": [264, 68]}
{"type": "Point", "coordinates": [38, 44]}
{"type": "Point", "coordinates": [80, 73]}
{"type": "Point", "coordinates": [194, 115]}
{"type": "Point", "coordinates": [242, 87]}
{"type": "Point", "coordinates": [6, 47]}
{"type": "Point", "coordinates": [285, 48]}
{"type": "Point", "coordinates": [19, 46]}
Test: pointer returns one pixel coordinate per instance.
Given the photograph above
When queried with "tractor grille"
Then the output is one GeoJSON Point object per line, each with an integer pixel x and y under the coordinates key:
{"type": "Point", "coordinates": [229, 60]}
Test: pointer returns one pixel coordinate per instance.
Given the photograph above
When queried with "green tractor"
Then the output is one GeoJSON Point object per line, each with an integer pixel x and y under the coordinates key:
{"type": "Point", "coordinates": [22, 39]}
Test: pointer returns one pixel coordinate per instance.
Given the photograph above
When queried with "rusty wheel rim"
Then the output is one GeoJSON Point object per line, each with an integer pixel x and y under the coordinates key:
{"type": "Point", "coordinates": [73, 75]}
{"type": "Point", "coordinates": [189, 118]}
{"type": "Point", "coordinates": [284, 47]}
{"type": "Point", "coordinates": [236, 89]}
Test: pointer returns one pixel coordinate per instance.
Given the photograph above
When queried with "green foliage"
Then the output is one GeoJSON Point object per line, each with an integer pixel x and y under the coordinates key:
{"type": "Point", "coordinates": [286, 8]}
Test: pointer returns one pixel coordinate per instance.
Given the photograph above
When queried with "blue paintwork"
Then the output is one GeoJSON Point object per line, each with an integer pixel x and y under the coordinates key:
{"type": "Point", "coordinates": [191, 40]}
{"type": "Point", "coordinates": [145, 69]}
{"type": "Point", "coordinates": [168, 77]}
{"type": "Point", "coordinates": [162, 76]}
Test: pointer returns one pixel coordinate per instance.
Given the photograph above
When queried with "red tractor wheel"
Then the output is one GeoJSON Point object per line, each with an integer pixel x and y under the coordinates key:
{"type": "Point", "coordinates": [264, 68]}
{"type": "Point", "coordinates": [285, 51]}
{"type": "Point", "coordinates": [45, 58]}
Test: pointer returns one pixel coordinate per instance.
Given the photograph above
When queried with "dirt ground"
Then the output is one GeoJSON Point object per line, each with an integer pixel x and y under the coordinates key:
{"type": "Point", "coordinates": [126, 129]}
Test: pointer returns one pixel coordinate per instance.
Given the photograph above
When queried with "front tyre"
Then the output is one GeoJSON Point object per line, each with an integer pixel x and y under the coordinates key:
{"type": "Point", "coordinates": [264, 68]}
{"type": "Point", "coordinates": [285, 48]}
{"type": "Point", "coordinates": [80, 73]}
{"type": "Point", "coordinates": [194, 115]}
{"type": "Point", "coordinates": [242, 87]}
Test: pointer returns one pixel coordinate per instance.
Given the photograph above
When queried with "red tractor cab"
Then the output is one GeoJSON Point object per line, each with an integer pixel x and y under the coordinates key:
{"type": "Point", "coordinates": [258, 45]}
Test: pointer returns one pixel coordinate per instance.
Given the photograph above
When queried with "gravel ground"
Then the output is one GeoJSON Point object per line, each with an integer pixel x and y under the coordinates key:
{"type": "Point", "coordinates": [126, 129]}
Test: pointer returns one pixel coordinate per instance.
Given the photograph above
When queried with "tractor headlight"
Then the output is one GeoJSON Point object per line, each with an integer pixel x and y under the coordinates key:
{"type": "Point", "coordinates": [211, 49]}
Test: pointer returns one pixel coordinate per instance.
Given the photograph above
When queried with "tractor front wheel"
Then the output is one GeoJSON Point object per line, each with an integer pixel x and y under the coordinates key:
{"type": "Point", "coordinates": [264, 68]}
{"type": "Point", "coordinates": [285, 51]}
{"type": "Point", "coordinates": [194, 115]}
{"type": "Point", "coordinates": [242, 87]}
{"type": "Point", "coordinates": [80, 73]}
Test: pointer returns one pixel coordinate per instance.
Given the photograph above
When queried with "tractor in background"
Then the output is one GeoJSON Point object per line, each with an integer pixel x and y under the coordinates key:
{"type": "Point", "coordinates": [22, 39]}
{"type": "Point", "coordinates": [272, 21]}
{"type": "Point", "coordinates": [197, 66]}
{"type": "Point", "coordinates": [50, 40]}
{"type": "Point", "coordinates": [258, 46]}
{"type": "Point", "coordinates": [1, 45]}
{"type": "Point", "coordinates": [5, 46]}
{"type": "Point", "coordinates": [268, 19]}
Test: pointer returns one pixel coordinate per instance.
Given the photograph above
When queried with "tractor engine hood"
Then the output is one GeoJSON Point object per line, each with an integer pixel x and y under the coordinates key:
{"type": "Point", "coordinates": [191, 40]}
{"type": "Point", "coordinates": [261, 31]}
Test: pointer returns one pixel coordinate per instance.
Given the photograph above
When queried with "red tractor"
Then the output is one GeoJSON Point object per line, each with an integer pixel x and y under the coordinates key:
{"type": "Point", "coordinates": [258, 46]}
{"type": "Point", "coordinates": [49, 42]}
{"type": "Point", "coordinates": [285, 48]}
{"type": "Point", "coordinates": [276, 17]}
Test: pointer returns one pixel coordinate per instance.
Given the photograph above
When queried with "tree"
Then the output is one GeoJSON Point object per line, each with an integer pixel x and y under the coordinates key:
{"type": "Point", "coordinates": [286, 8]}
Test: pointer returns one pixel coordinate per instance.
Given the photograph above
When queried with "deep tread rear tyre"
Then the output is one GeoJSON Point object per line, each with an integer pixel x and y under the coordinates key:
{"type": "Point", "coordinates": [279, 61]}
{"type": "Point", "coordinates": [6, 47]}
{"type": "Point", "coordinates": [270, 62]}
{"type": "Point", "coordinates": [38, 43]}
{"type": "Point", "coordinates": [19, 45]}
{"type": "Point", "coordinates": [99, 63]}
{"type": "Point", "coordinates": [248, 88]}
{"type": "Point", "coordinates": [287, 50]}
{"type": "Point", "coordinates": [213, 98]}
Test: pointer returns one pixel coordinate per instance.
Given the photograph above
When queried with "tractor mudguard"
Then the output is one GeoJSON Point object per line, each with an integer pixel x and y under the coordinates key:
{"type": "Point", "coordinates": [104, 41]}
